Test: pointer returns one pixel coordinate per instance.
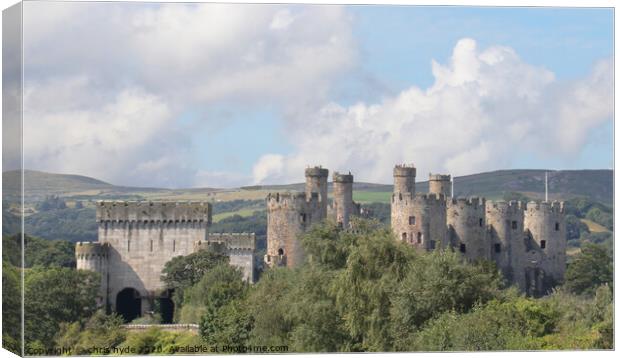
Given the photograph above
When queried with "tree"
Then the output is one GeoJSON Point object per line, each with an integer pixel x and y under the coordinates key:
{"type": "Point", "coordinates": [56, 295]}
{"type": "Point", "coordinates": [183, 272]}
{"type": "Point", "coordinates": [100, 330]}
{"type": "Point", "coordinates": [590, 268]}
{"type": "Point", "coordinates": [11, 308]}
{"type": "Point", "coordinates": [438, 282]}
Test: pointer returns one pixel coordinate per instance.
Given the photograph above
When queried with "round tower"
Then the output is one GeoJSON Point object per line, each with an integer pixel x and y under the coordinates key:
{"type": "Point", "coordinates": [404, 179]}
{"type": "Point", "coordinates": [316, 182]}
{"type": "Point", "coordinates": [439, 184]}
{"type": "Point", "coordinates": [93, 256]}
{"type": "Point", "coordinates": [467, 227]}
{"type": "Point", "coordinates": [288, 216]}
{"type": "Point", "coordinates": [343, 198]}
{"type": "Point", "coordinates": [507, 237]}
{"type": "Point", "coordinates": [546, 226]}
{"type": "Point", "coordinates": [420, 220]}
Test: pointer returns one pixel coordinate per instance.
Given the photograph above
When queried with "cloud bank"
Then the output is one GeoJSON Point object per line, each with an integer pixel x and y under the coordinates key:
{"type": "Point", "coordinates": [484, 109]}
{"type": "Point", "coordinates": [107, 83]}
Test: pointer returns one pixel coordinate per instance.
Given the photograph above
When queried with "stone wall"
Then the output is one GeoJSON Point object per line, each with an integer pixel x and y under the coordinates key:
{"type": "Point", "coordinates": [343, 205]}
{"type": "Point", "coordinates": [544, 222]}
{"type": "Point", "coordinates": [289, 214]}
{"type": "Point", "coordinates": [240, 250]}
{"type": "Point", "coordinates": [506, 237]}
{"type": "Point", "coordinates": [467, 229]}
{"type": "Point", "coordinates": [440, 184]}
{"type": "Point", "coordinates": [420, 220]}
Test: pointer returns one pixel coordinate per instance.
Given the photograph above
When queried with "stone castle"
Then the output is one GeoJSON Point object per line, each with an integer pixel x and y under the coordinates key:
{"type": "Point", "coordinates": [526, 241]}
{"type": "Point", "coordinates": [136, 239]}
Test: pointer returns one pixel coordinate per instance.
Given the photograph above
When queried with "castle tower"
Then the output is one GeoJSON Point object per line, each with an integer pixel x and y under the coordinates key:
{"type": "Point", "coordinates": [467, 229]}
{"type": "Point", "coordinates": [439, 184]}
{"type": "Point", "coordinates": [93, 256]}
{"type": "Point", "coordinates": [545, 225]}
{"type": "Point", "coordinates": [289, 214]}
{"type": "Point", "coordinates": [404, 179]}
{"type": "Point", "coordinates": [507, 237]}
{"type": "Point", "coordinates": [316, 182]}
{"type": "Point", "coordinates": [420, 220]}
{"type": "Point", "coordinates": [343, 198]}
{"type": "Point", "coordinates": [143, 236]}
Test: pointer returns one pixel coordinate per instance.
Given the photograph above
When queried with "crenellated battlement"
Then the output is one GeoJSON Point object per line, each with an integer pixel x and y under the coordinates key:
{"type": "Point", "coordinates": [439, 177]}
{"type": "Point", "coordinates": [317, 171]}
{"type": "Point", "coordinates": [513, 206]}
{"type": "Point", "coordinates": [404, 170]}
{"type": "Point", "coordinates": [545, 207]}
{"type": "Point", "coordinates": [343, 178]}
{"type": "Point", "coordinates": [235, 241]}
{"type": "Point", "coordinates": [148, 211]}
{"type": "Point", "coordinates": [290, 200]}
{"type": "Point", "coordinates": [473, 201]}
{"type": "Point", "coordinates": [85, 249]}
{"type": "Point", "coordinates": [419, 199]}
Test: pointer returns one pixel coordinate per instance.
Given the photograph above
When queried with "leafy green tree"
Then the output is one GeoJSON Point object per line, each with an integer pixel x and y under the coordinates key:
{"type": "Point", "coordinates": [590, 268]}
{"type": "Point", "coordinates": [220, 286]}
{"type": "Point", "coordinates": [438, 282]}
{"type": "Point", "coordinates": [41, 252]}
{"type": "Point", "coordinates": [11, 308]}
{"type": "Point", "coordinates": [100, 330]}
{"type": "Point", "coordinates": [182, 272]}
{"type": "Point", "coordinates": [55, 295]}
{"type": "Point", "coordinates": [363, 289]}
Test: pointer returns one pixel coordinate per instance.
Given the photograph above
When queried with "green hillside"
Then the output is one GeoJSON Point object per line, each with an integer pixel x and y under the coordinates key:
{"type": "Point", "coordinates": [596, 185]}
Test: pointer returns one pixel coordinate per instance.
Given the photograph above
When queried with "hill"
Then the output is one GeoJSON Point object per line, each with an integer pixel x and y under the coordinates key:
{"type": "Point", "coordinates": [595, 185]}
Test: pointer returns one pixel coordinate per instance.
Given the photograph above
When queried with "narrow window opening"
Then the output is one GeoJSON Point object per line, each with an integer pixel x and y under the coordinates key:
{"type": "Point", "coordinates": [151, 245]}
{"type": "Point", "coordinates": [404, 236]}
{"type": "Point", "coordinates": [412, 220]}
{"type": "Point", "coordinates": [419, 238]}
{"type": "Point", "coordinates": [280, 252]}
{"type": "Point", "coordinates": [432, 244]}
{"type": "Point", "coordinates": [174, 245]}
{"type": "Point", "coordinates": [463, 248]}
{"type": "Point", "coordinates": [514, 225]}
{"type": "Point", "coordinates": [303, 217]}
{"type": "Point", "coordinates": [128, 245]}
{"type": "Point", "coordinates": [543, 244]}
{"type": "Point", "coordinates": [498, 248]}
{"type": "Point", "coordinates": [557, 226]}
{"type": "Point", "coordinates": [481, 222]}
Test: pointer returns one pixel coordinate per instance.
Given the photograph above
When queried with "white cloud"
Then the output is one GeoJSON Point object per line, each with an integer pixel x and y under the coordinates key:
{"type": "Point", "coordinates": [483, 110]}
{"type": "Point", "coordinates": [109, 81]}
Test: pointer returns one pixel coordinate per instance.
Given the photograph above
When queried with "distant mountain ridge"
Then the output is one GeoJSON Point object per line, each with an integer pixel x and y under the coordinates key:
{"type": "Point", "coordinates": [564, 184]}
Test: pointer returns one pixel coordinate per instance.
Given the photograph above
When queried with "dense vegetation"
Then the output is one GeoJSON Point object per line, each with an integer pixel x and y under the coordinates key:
{"type": "Point", "coordinates": [367, 292]}
{"type": "Point", "coordinates": [361, 291]}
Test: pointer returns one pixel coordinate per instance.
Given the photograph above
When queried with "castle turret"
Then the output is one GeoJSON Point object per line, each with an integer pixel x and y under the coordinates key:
{"type": "Point", "coordinates": [439, 184]}
{"type": "Point", "coordinates": [467, 228]}
{"type": "Point", "coordinates": [404, 179]}
{"type": "Point", "coordinates": [289, 214]}
{"type": "Point", "coordinates": [506, 236]}
{"type": "Point", "coordinates": [343, 198]}
{"type": "Point", "coordinates": [544, 222]}
{"type": "Point", "coordinates": [420, 220]}
{"type": "Point", "coordinates": [93, 256]}
{"type": "Point", "coordinates": [239, 247]}
{"type": "Point", "coordinates": [316, 182]}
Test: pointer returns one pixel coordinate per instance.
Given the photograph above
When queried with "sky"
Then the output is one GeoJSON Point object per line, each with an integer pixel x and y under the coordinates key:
{"type": "Point", "coordinates": [222, 95]}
